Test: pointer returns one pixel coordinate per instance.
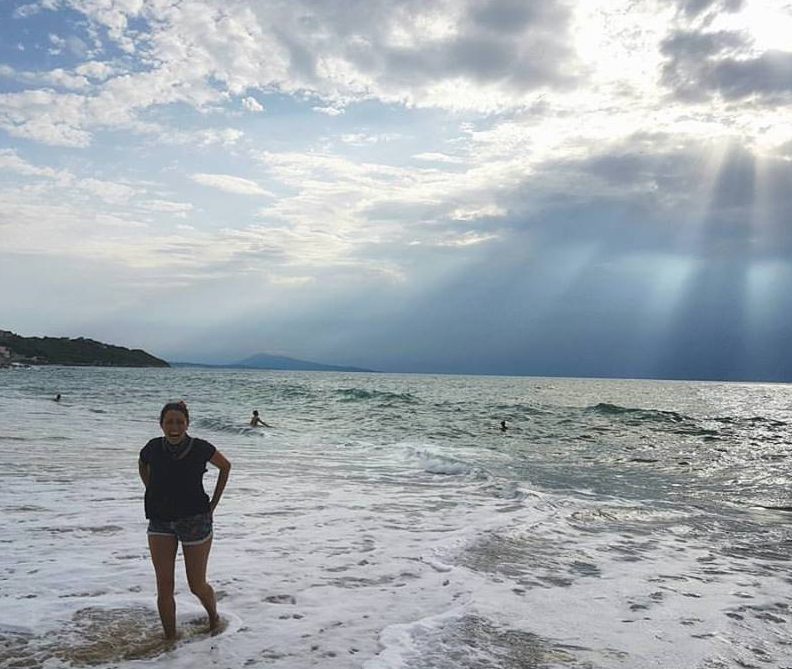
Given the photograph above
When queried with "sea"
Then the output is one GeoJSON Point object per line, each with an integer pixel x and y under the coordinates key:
{"type": "Point", "coordinates": [387, 522]}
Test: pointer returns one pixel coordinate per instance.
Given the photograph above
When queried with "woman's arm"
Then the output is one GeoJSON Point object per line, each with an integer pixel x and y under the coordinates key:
{"type": "Point", "coordinates": [219, 461]}
{"type": "Point", "coordinates": [145, 472]}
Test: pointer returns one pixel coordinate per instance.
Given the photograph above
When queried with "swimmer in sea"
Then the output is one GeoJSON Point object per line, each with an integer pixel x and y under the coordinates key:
{"type": "Point", "coordinates": [503, 426]}
{"type": "Point", "coordinates": [255, 421]}
{"type": "Point", "coordinates": [172, 468]}
{"type": "Point", "coordinates": [57, 398]}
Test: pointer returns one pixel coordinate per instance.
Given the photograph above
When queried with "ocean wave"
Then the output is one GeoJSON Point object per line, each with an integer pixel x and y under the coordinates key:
{"type": "Point", "coordinates": [683, 423]}
{"type": "Point", "coordinates": [670, 421]}
{"type": "Point", "coordinates": [446, 466]}
{"type": "Point", "coordinates": [291, 391]}
{"type": "Point", "coordinates": [521, 409]}
{"type": "Point", "coordinates": [224, 425]}
{"type": "Point", "coordinates": [427, 458]}
{"type": "Point", "coordinates": [625, 514]}
{"type": "Point", "coordinates": [382, 396]}
{"type": "Point", "coordinates": [751, 421]}
{"type": "Point", "coordinates": [509, 490]}
{"type": "Point", "coordinates": [607, 409]}
{"type": "Point", "coordinates": [435, 463]}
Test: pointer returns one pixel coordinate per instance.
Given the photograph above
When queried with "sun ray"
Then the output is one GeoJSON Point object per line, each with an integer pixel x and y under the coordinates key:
{"type": "Point", "coordinates": [690, 232]}
{"type": "Point", "coordinates": [715, 248]}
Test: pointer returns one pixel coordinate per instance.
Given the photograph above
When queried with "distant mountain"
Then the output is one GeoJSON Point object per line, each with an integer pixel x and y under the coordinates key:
{"type": "Point", "coordinates": [277, 362]}
{"type": "Point", "coordinates": [64, 351]}
{"type": "Point", "coordinates": [267, 361]}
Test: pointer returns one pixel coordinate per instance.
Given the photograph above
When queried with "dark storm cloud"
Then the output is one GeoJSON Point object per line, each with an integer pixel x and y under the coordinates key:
{"type": "Point", "coordinates": [690, 58]}
{"type": "Point", "coordinates": [768, 76]}
{"type": "Point", "coordinates": [702, 64]}
{"type": "Point", "coordinates": [529, 305]}
{"type": "Point", "coordinates": [650, 194]}
{"type": "Point", "coordinates": [693, 8]}
{"type": "Point", "coordinates": [499, 41]}
{"type": "Point", "coordinates": [691, 45]}
{"type": "Point", "coordinates": [580, 288]}
{"type": "Point", "coordinates": [508, 42]}
{"type": "Point", "coordinates": [481, 58]}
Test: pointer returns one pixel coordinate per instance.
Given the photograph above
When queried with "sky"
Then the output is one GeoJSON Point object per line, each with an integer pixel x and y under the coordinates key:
{"type": "Point", "coordinates": [564, 187]}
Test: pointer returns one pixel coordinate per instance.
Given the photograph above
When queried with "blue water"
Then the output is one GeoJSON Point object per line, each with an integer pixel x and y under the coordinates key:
{"type": "Point", "coordinates": [386, 521]}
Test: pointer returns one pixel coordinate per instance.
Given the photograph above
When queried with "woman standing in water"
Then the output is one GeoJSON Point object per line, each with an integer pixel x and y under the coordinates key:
{"type": "Point", "coordinates": [178, 509]}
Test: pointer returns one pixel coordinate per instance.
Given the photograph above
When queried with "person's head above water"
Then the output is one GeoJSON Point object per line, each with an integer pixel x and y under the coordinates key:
{"type": "Point", "coordinates": [174, 420]}
{"type": "Point", "coordinates": [255, 413]}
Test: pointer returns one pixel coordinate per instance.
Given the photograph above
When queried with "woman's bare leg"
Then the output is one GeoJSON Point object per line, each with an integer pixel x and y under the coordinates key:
{"type": "Point", "coordinates": [195, 560]}
{"type": "Point", "coordinates": [163, 555]}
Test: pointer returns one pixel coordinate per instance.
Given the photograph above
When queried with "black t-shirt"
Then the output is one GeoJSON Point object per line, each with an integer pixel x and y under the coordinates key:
{"type": "Point", "coordinates": [175, 488]}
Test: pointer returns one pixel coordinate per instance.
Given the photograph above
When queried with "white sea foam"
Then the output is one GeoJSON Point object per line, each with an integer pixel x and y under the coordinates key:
{"type": "Point", "coordinates": [388, 549]}
{"type": "Point", "coordinates": [436, 465]}
{"type": "Point", "coordinates": [312, 567]}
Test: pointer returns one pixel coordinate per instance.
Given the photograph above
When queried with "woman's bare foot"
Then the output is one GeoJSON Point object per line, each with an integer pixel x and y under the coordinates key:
{"type": "Point", "coordinates": [171, 638]}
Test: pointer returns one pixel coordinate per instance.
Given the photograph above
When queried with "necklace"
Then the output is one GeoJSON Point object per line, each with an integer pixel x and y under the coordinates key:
{"type": "Point", "coordinates": [177, 451]}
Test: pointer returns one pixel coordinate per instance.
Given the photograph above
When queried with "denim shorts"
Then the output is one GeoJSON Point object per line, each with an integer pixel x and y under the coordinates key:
{"type": "Point", "coordinates": [191, 531]}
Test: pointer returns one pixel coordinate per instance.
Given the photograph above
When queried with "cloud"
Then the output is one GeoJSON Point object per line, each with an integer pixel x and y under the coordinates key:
{"type": "Point", "coordinates": [30, 9]}
{"type": "Point", "coordinates": [10, 161]}
{"type": "Point", "coordinates": [58, 78]}
{"type": "Point", "coordinates": [469, 238]}
{"type": "Point", "coordinates": [438, 158]}
{"type": "Point", "coordinates": [690, 54]}
{"type": "Point", "coordinates": [252, 105]}
{"type": "Point", "coordinates": [662, 193]}
{"type": "Point", "coordinates": [373, 201]}
{"type": "Point", "coordinates": [230, 184]}
{"type": "Point", "coordinates": [483, 55]}
{"type": "Point", "coordinates": [45, 116]}
{"type": "Point", "coordinates": [431, 53]}
{"type": "Point", "coordinates": [768, 76]}
{"type": "Point", "coordinates": [66, 182]}
{"type": "Point", "coordinates": [472, 213]}
{"type": "Point", "coordinates": [106, 190]}
{"type": "Point", "coordinates": [363, 138]}
{"type": "Point", "coordinates": [95, 70]}
{"type": "Point", "coordinates": [226, 137]}
{"type": "Point", "coordinates": [187, 51]}
{"type": "Point", "coordinates": [427, 53]}
{"type": "Point", "coordinates": [702, 64]}
{"type": "Point", "coordinates": [167, 207]}
{"type": "Point", "coordinates": [692, 45]}
{"type": "Point", "coordinates": [73, 44]}
{"type": "Point", "coordinates": [552, 167]}
{"type": "Point", "coordinates": [329, 110]}
{"type": "Point", "coordinates": [694, 8]}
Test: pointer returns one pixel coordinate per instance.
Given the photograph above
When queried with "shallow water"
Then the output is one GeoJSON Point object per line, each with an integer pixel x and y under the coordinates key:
{"type": "Point", "coordinates": [385, 521]}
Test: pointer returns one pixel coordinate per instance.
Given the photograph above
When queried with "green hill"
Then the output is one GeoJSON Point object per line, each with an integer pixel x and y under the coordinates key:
{"type": "Point", "coordinates": [64, 351]}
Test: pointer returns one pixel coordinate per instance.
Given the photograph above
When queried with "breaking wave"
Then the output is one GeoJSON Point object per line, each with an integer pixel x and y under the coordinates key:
{"type": "Point", "coordinates": [381, 396]}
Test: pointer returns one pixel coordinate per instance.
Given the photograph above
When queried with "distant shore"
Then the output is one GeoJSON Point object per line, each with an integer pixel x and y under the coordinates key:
{"type": "Point", "coordinates": [18, 351]}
